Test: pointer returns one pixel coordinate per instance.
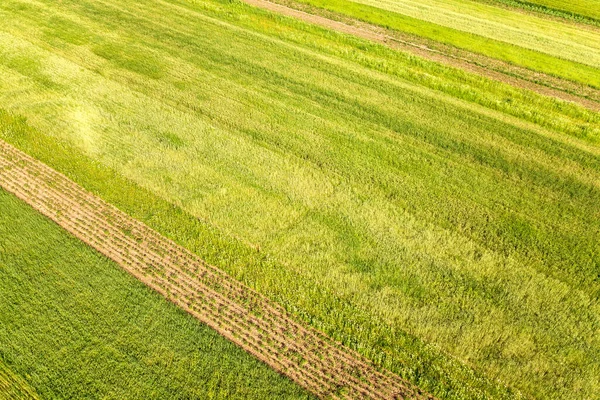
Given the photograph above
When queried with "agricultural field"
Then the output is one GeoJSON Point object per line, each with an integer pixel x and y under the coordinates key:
{"type": "Point", "coordinates": [246, 318]}
{"type": "Point", "coordinates": [563, 40]}
{"type": "Point", "coordinates": [441, 224]}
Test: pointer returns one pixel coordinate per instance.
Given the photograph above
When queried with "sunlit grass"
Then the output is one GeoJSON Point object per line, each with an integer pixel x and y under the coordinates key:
{"type": "Point", "coordinates": [562, 40]}
{"type": "Point", "coordinates": [443, 225]}
{"type": "Point", "coordinates": [585, 8]}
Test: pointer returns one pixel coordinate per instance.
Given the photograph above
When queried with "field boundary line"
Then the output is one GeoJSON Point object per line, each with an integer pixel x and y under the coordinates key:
{"type": "Point", "coordinates": [245, 317]}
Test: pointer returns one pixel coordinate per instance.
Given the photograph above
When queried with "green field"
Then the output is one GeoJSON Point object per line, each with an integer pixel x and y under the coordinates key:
{"type": "Point", "coordinates": [443, 225]}
{"type": "Point", "coordinates": [74, 325]}
{"type": "Point", "coordinates": [553, 47]}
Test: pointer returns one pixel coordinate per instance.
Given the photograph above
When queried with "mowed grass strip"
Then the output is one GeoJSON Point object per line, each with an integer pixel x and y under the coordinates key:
{"type": "Point", "coordinates": [445, 241]}
{"type": "Point", "coordinates": [74, 325]}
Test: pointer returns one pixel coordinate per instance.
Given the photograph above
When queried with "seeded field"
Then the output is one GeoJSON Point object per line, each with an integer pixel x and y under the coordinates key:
{"type": "Point", "coordinates": [442, 225]}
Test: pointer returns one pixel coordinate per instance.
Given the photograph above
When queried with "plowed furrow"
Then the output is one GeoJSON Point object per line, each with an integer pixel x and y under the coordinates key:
{"type": "Point", "coordinates": [237, 312]}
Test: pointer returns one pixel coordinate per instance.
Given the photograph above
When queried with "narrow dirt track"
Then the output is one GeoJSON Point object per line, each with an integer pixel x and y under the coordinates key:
{"type": "Point", "coordinates": [481, 65]}
{"type": "Point", "coordinates": [245, 317]}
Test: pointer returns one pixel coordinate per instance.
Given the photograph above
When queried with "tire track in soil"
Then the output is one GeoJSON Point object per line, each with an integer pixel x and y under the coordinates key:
{"type": "Point", "coordinates": [497, 70]}
{"type": "Point", "coordinates": [245, 317]}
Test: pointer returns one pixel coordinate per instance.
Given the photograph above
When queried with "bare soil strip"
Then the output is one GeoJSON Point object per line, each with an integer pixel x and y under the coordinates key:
{"type": "Point", "coordinates": [245, 317]}
{"type": "Point", "coordinates": [498, 70]}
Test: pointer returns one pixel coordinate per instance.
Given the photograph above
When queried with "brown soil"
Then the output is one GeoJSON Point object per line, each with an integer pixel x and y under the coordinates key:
{"type": "Point", "coordinates": [524, 78]}
{"type": "Point", "coordinates": [253, 322]}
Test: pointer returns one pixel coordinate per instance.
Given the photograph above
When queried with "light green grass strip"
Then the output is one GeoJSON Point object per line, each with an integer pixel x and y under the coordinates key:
{"type": "Point", "coordinates": [549, 10]}
{"type": "Point", "coordinates": [77, 326]}
{"type": "Point", "coordinates": [586, 8]}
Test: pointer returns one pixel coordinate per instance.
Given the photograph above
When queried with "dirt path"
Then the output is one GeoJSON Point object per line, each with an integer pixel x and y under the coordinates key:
{"type": "Point", "coordinates": [245, 317]}
{"type": "Point", "coordinates": [494, 69]}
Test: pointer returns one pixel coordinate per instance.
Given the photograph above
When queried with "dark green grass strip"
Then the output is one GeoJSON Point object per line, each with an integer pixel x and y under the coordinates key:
{"type": "Point", "coordinates": [77, 326]}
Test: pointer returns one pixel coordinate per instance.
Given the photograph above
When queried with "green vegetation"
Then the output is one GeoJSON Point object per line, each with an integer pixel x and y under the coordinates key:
{"type": "Point", "coordinates": [583, 8]}
{"type": "Point", "coordinates": [546, 7]}
{"type": "Point", "coordinates": [562, 40]}
{"type": "Point", "coordinates": [558, 49]}
{"type": "Point", "coordinates": [74, 325]}
{"type": "Point", "coordinates": [451, 239]}
{"type": "Point", "coordinates": [12, 387]}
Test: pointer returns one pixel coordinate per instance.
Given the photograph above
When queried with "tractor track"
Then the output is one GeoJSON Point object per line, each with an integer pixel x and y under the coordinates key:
{"type": "Point", "coordinates": [242, 315]}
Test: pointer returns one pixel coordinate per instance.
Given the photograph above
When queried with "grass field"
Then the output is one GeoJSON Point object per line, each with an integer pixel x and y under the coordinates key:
{"type": "Point", "coordinates": [443, 225]}
{"type": "Point", "coordinates": [74, 325]}
{"type": "Point", "coordinates": [553, 47]}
